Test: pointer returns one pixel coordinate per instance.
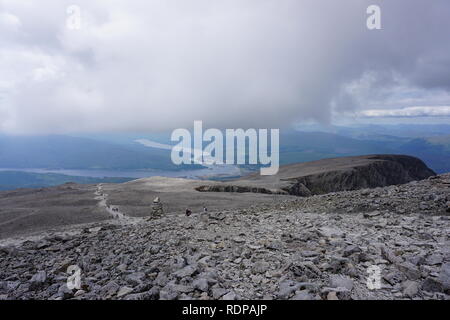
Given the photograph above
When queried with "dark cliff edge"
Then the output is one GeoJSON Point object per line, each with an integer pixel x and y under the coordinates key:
{"type": "Point", "coordinates": [330, 175]}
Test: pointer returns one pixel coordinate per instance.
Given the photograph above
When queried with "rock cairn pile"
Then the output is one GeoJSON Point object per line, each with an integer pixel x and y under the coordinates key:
{"type": "Point", "coordinates": [157, 208]}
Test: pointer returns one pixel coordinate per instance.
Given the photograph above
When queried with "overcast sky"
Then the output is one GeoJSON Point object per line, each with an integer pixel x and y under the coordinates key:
{"type": "Point", "coordinates": [161, 64]}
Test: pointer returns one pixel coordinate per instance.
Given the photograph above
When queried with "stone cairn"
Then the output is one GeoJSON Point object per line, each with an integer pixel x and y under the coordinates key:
{"type": "Point", "coordinates": [157, 208]}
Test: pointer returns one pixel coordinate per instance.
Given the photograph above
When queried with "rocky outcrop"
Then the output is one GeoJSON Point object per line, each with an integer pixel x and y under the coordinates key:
{"type": "Point", "coordinates": [383, 171]}
{"type": "Point", "coordinates": [429, 196]}
{"type": "Point", "coordinates": [238, 189]}
{"type": "Point", "coordinates": [331, 175]}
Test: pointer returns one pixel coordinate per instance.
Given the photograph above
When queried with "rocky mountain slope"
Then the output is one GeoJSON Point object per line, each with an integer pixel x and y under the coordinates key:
{"type": "Point", "coordinates": [320, 247]}
{"type": "Point", "coordinates": [330, 175]}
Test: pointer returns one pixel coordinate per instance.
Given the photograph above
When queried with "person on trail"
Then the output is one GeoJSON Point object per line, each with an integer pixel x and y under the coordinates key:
{"type": "Point", "coordinates": [205, 209]}
{"type": "Point", "coordinates": [188, 212]}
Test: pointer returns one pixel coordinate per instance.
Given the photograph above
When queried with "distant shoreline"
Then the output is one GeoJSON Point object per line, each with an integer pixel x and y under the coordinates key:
{"type": "Point", "coordinates": [16, 178]}
{"type": "Point", "coordinates": [135, 173]}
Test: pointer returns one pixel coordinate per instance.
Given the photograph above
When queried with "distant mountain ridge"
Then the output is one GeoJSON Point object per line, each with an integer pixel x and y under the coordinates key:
{"type": "Point", "coordinates": [297, 146]}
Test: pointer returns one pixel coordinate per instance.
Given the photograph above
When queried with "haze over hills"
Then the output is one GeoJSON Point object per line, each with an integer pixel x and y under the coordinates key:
{"type": "Point", "coordinates": [368, 131]}
{"type": "Point", "coordinates": [298, 146]}
{"type": "Point", "coordinates": [435, 151]}
{"type": "Point", "coordinates": [67, 152]}
{"type": "Point", "coordinates": [309, 146]}
{"type": "Point", "coordinates": [113, 153]}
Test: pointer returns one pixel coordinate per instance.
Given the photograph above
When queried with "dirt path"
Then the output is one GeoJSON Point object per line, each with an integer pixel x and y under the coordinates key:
{"type": "Point", "coordinates": [114, 211]}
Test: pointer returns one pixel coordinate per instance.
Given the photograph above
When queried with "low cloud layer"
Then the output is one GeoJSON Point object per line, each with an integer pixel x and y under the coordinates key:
{"type": "Point", "coordinates": [443, 111]}
{"type": "Point", "coordinates": [159, 65]}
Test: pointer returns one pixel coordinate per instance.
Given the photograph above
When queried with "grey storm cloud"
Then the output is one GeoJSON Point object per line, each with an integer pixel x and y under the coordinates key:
{"type": "Point", "coordinates": [158, 65]}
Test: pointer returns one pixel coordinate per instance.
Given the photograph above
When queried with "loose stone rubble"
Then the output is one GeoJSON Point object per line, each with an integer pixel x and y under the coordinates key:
{"type": "Point", "coordinates": [320, 247]}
